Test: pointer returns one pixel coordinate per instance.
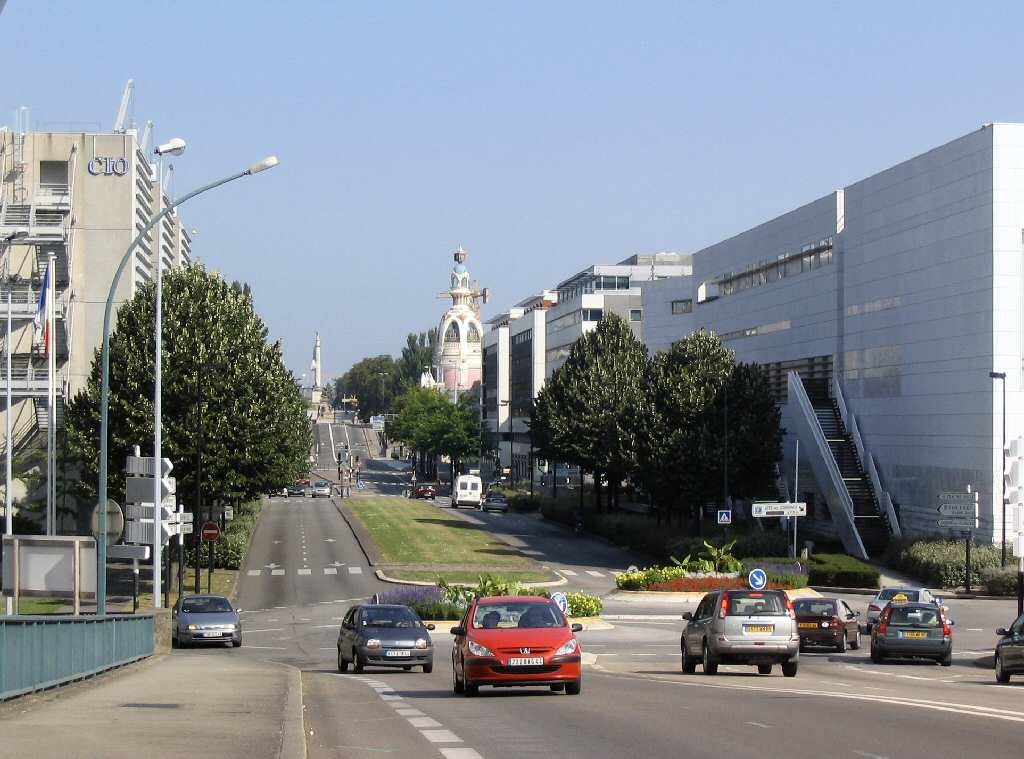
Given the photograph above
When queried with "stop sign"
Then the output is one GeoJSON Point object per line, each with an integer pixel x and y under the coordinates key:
{"type": "Point", "coordinates": [211, 532]}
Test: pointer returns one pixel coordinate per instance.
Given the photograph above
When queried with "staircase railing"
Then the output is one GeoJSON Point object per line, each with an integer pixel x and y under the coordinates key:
{"type": "Point", "coordinates": [826, 470]}
{"type": "Point", "coordinates": [867, 460]}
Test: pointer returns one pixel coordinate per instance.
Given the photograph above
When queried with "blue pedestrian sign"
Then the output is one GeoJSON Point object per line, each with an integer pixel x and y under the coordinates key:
{"type": "Point", "coordinates": [758, 579]}
{"type": "Point", "coordinates": [725, 516]}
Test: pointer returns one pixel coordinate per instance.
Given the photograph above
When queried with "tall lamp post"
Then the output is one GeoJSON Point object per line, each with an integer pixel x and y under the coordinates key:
{"type": "Point", "coordinates": [510, 467]}
{"type": "Point", "coordinates": [1001, 376]}
{"type": "Point", "coordinates": [101, 545]}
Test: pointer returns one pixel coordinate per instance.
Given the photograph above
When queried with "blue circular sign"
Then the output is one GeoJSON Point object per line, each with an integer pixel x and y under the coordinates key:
{"type": "Point", "coordinates": [758, 579]}
{"type": "Point", "coordinates": [561, 602]}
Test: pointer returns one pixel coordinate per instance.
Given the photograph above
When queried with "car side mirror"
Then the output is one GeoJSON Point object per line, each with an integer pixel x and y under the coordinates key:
{"type": "Point", "coordinates": [577, 627]}
{"type": "Point", "coordinates": [1002, 631]}
{"type": "Point", "coordinates": [430, 626]}
{"type": "Point", "coordinates": [688, 616]}
{"type": "Point", "coordinates": [458, 631]}
{"type": "Point", "coordinates": [238, 611]}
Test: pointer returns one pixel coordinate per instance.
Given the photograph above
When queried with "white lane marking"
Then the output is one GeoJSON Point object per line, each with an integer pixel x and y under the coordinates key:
{"type": "Point", "coordinates": [594, 573]}
{"type": "Point", "coordinates": [974, 630]}
{"type": "Point", "coordinates": [276, 573]}
{"type": "Point", "coordinates": [423, 722]}
{"type": "Point", "coordinates": [411, 713]}
{"type": "Point", "coordinates": [440, 736]}
{"type": "Point", "coordinates": [642, 617]}
{"type": "Point", "coordinates": [460, 753]}
{"type": "Point", "coordinates": [567, 572]}
{"type": "Point", "coordinates": [330, 571]}
{"type": "Point", "coordinates": [253, 573]}
{"type": "Point", "coordinates": [266, 630]}
{"type": "Point", "coordinates": [355, 570]}
{"type": "Point", "coordinates": [388, 697]}
{"type": "Point", "coordinates": [328, 648]}
{"type": "Point", "coordinates": [605, 654]}
{"type": "Point", "coordinates": [757, 724]}
{"type": "Point", "coordinates": [305, 571]}
{"type": "Point", "coordinates": [267, 648]}
{"type": "Point", "coordinates": [639, 654]}
{"type": "Point", "coordinates": [866, 755]}
{"type": "Point", "coordinates": [275, 619]}
{"type": "Point", "coordinates": [320, 627]}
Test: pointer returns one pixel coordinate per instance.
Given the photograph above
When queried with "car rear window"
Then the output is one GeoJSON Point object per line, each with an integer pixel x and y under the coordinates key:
{"type": "Point", "coordinates": [914, 616]}
{"type": "Point", "coordinates": [744, 603]}
{"type": "Point", "coordinates": [890, 593]}
{"type": "Point", "coordinates": [528, 614]}
{"type": "Point", "coordinates": [811, 607]}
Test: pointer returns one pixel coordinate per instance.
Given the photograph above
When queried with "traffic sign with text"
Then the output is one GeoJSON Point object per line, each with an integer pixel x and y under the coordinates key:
{"type": "Point", "coordinates": [960, 510]}
{"type": "Point", "coordinates": [772, 509]}
{"type": "Point", "coordinates": [145, 511]}
{"type": "Point", "coordinates": [140, 489]}
{"type": "Point", "coordinates": [146, 466]}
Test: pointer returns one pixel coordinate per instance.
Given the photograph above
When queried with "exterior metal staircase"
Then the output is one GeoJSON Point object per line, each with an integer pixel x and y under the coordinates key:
{"type": "Point", "coordinates": [42, 416]}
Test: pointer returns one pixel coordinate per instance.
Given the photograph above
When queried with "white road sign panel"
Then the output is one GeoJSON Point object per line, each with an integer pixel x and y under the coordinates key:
{"type": "Point", "coordinates": [140, 489]}
{"type": "Point", "coordinates": [963, 524]}
{"type": "Point", "coordinates": [957, 497]}
{"type": "Point", "coordinates": [959, 510]}
{"type": "Point", "coordinates": [771, 509]}
{"type": "Point", "coordinates": [141, 553]}
{"type": "Point", "coordinates": [139, 511]}
{"type": "Point", "coordinates": [146, 466]}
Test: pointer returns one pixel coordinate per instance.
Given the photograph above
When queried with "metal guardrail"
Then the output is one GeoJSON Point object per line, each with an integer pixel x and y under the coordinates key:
{"type": "Point", "coordinates": [42, 652]}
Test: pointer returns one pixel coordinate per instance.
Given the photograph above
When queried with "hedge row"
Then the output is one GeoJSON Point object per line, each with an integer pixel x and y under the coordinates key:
{"type": "Point", "coordinates": [941, 562]}
{"type": "Point", "coordinates": [999, 581]}
{"type": "Point", "coordinates": [234, 541]}
{"type": "Point", "coordinates": [706, 584]}
{"type": "Point", "coordinates": [827, 569]}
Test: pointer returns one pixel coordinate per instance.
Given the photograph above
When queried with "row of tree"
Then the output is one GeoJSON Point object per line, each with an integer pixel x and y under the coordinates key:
{"type": "Point", "coordinates": [377, 381]}
{"type": "Point", "coordinates": [687, 424]}
{"type": "Point", "coordinates": [433, 426]}
{"type": "Point", "coordinates": [226, 393]}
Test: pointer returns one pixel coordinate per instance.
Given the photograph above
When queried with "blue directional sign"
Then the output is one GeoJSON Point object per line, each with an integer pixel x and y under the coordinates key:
{"type": "Point", "coordinates": [561, 602]}
{"type": "Point", "coordinates": [725, 516]}
{"type": "Point", "coordinates": [758, 579]}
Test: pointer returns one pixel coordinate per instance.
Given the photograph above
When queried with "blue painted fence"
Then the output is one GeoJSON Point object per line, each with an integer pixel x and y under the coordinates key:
{"type": "Point", "coordinates": [41, 652]}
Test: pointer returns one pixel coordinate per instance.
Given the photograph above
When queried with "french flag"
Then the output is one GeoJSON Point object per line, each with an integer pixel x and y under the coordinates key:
{"type": "Point", "coordinates": [41, 319]}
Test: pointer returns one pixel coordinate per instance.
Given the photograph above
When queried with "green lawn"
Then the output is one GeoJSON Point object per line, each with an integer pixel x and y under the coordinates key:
{"type": "Point", "coordinates": [466, 577]}
{"type": "Point", "coordinates": [411, 532]}
{"type": "Point", "coordinates": [39, 605]}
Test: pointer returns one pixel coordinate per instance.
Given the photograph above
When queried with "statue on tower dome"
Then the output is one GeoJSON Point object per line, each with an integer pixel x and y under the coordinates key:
{"type": "Point", "coordinates": [457, 356]}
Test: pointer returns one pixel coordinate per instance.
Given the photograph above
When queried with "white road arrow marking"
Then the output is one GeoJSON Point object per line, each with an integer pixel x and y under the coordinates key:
{"type": "Point", "coordinates": [330, 540]}
{"type": "Point", "coordinates": [271, 566]}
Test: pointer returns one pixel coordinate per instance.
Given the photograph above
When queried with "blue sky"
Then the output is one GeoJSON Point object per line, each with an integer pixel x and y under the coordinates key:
{"type": "Point", "coordinates": [541, 136]}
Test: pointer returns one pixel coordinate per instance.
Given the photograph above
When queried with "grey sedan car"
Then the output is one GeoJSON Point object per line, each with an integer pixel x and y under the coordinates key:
{"type": "Point", "coordinates": [913, 630]}
{"type": "Point", "coordinates": [494, 502]}
{"type": "Point", "coordinates": [384, 635]}
{"type": "Point", "coordinates": [205, 619]}
{"type": "Point", "coordinates": [885, 595]}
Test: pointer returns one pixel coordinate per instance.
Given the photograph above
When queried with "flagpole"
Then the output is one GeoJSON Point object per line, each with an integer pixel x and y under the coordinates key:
{"type": "Point", "coordinates": [8, 500]}
{"type": "Point", "coordinates": [51, 426]}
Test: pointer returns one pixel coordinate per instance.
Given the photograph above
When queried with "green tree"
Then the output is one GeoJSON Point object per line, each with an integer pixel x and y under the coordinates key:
{"type": "Point", "coordinates": [417, 353]}
{"type": "Point", "coordinates": [431, 425]}
{"type": "Point", "coordinates": [373, 381]}
{"type": "Point", "coordinates": [256, 433]}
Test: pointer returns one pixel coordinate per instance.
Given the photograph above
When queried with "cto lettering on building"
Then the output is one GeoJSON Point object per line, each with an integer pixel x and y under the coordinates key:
{"type": "Point", "coordinates": [108, 167]}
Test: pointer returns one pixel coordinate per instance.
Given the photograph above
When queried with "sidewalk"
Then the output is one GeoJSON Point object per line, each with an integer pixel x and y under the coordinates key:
{"type": "Point", "coordinates": [214, 703]}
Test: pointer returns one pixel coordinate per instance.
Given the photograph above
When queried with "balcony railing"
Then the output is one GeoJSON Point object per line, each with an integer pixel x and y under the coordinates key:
{"type": "Point", "coordinates": [29, 381]}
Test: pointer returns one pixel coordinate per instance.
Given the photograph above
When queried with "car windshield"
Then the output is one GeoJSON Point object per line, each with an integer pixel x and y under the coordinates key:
{"type": "Point", "coordinates": [526, 614]}
{"type": "Point", "coordinates": [811, 607]}
{"type": "Point", "coordinates": [899, 594]}
{"type": "Point", "coordinates": [205, 606]}
{"type": "Point", "coordinates": [752, 603]}
{"type": "Point", "coordinates": [323, 484]}
{"type": "Point", "coordinates": [914, 616]}
{"type": "Point", "coordinates": [389, 617]}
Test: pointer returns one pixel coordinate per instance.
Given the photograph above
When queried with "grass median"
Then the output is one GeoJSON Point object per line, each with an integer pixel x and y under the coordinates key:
{"type": "Point", "coordinates": [418, 541]}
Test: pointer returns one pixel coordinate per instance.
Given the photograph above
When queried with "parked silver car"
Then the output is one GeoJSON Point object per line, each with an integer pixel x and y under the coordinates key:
{"type": "Point", "coordinates": [756, 627]}
{"type": "Point", "coordinates": [205, 619]}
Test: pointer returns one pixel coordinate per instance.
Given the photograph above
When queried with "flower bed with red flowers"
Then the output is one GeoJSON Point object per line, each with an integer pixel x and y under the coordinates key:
{"type": "Point", "coordinates": [704, 584]}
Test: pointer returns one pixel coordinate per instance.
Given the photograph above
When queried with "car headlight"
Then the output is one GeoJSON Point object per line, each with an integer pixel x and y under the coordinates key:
{"type": "Point", "coordinates": [421, 643]}
{"type": "Point", "coordinates": [373, 643]}
{"type": "Point", "coordinates": [193, 627]}
{"type": "Point", "coordinates": [477, 650]}
{"type": "Point", "coordinates": [569, 647]}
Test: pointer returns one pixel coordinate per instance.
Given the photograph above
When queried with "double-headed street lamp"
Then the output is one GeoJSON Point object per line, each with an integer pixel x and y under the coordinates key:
{"type": "Point", "coordinates": [101, 546]}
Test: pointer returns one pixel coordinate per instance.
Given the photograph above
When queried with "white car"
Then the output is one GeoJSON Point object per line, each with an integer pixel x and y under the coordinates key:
{"type": "Point", "coordinates": [322, 489]}
{"type": "Point", "coordinates": [468, 491]}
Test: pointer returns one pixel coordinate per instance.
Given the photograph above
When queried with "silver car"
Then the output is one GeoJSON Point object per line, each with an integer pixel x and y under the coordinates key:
{"type": "Point", "coordinates": [205, 619]}
{"type": "Point", "coordinates": [885, 595]}
{"type": "Point", "coordinates": [756, 627]}
{"type": "Point", "coordinates": [322, 489]}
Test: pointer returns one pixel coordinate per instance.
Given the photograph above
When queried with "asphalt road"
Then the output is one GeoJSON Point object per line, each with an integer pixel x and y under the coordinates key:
{"type": "Point", "coordinates": [635, 700]}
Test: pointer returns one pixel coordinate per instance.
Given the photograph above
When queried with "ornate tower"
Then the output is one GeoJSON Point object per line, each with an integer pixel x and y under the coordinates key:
{"type": "Point", "coordinates": [315, 366]}
{"type": "Point", "coordinates": [457, 355]}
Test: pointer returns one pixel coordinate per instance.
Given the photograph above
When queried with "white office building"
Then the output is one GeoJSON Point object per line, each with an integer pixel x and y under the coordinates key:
{"type": "Point", "coordinates": [880, 311]}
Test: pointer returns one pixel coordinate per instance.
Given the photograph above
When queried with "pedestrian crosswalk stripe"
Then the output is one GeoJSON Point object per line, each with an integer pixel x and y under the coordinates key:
{"type": "Point", "coordinates": [355, 570]}
{"type": "Point", "coordinates": [253, 573]}
{"type": "Point", "coordinates": [567, 572]}
{"type": "Point", "coordinates": [305, 571]}
{"type": "Point", "coordinates": [277, 571]}
{"type": "Point", "coordinates": [330, 570]}
{"type": "Point", "coordinates": [594, 573]}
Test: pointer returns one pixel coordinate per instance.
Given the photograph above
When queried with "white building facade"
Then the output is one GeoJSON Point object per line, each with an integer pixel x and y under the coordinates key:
{"type": "Point", "coordinates": [879, 311]}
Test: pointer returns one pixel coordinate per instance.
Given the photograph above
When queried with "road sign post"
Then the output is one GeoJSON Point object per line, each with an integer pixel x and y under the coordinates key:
{"type": "Point", "coordinates": [959, 511]}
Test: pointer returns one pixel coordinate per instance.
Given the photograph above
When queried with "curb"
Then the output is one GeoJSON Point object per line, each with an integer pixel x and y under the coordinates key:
{"type": "Point", "coordinates": [293, 729]}
{"type": "Point", "coordinates": [942, 593]}
{"type": "Point", "coordinates": [691, 596]}
{"type": "Point", "coordinates": [424, 583]}
{"type": "Point", "coordinates": [359, 533]}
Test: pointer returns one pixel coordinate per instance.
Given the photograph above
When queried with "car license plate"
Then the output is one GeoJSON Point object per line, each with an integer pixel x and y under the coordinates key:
{"type": "Point", "coordinates": [759, 629]}
{"type": "Point", "coordinates": [915, 634]}
{"type": "Point", "coordinates": [397, 653]}
{"type": "Point", "coordinates": [529, 661]}
{"type": "Point", "coordinates": [211, 634]}
{"type": "Point", "coordinates": [808, 625]}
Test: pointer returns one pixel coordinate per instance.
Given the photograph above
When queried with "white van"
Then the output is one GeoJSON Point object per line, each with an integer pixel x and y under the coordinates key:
{"type": "Point", "coordinates": [468, 491]}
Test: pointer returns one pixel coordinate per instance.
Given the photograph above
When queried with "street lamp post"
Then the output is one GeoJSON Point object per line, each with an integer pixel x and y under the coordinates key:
{"type": "Point", "coordinates": [1001, 376]}
{"type": "Point", "coordinates": [510, 468]}
{"type": "Point", "coordinates": [101, 544]}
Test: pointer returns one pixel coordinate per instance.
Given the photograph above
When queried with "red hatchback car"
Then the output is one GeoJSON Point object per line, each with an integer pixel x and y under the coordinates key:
{"type": "Point", "coordinates": [516, 641]}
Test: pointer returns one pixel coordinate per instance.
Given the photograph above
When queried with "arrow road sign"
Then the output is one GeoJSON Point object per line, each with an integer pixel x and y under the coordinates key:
{"type": "Point", "coordinates": [963, 524]}
{"type": "Point", "coordinates": [958, 497]}
{"type": "Point", "coordinates": [141, 531]}
{"type": "Point", "coordinates": [146, 466]}
{"type": "Point", "coordinates": [757, 579]}
{"type": "Point", "coordinates": [140, 489]}
{"type": "Point", "coordinates": [139, 553]}
{"type": "Point", "coordinates": [772, 509]}
{"type": "Point", "coordinates": [961, 510]}
{"type": "Point", "coordinates": [145, 511]}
